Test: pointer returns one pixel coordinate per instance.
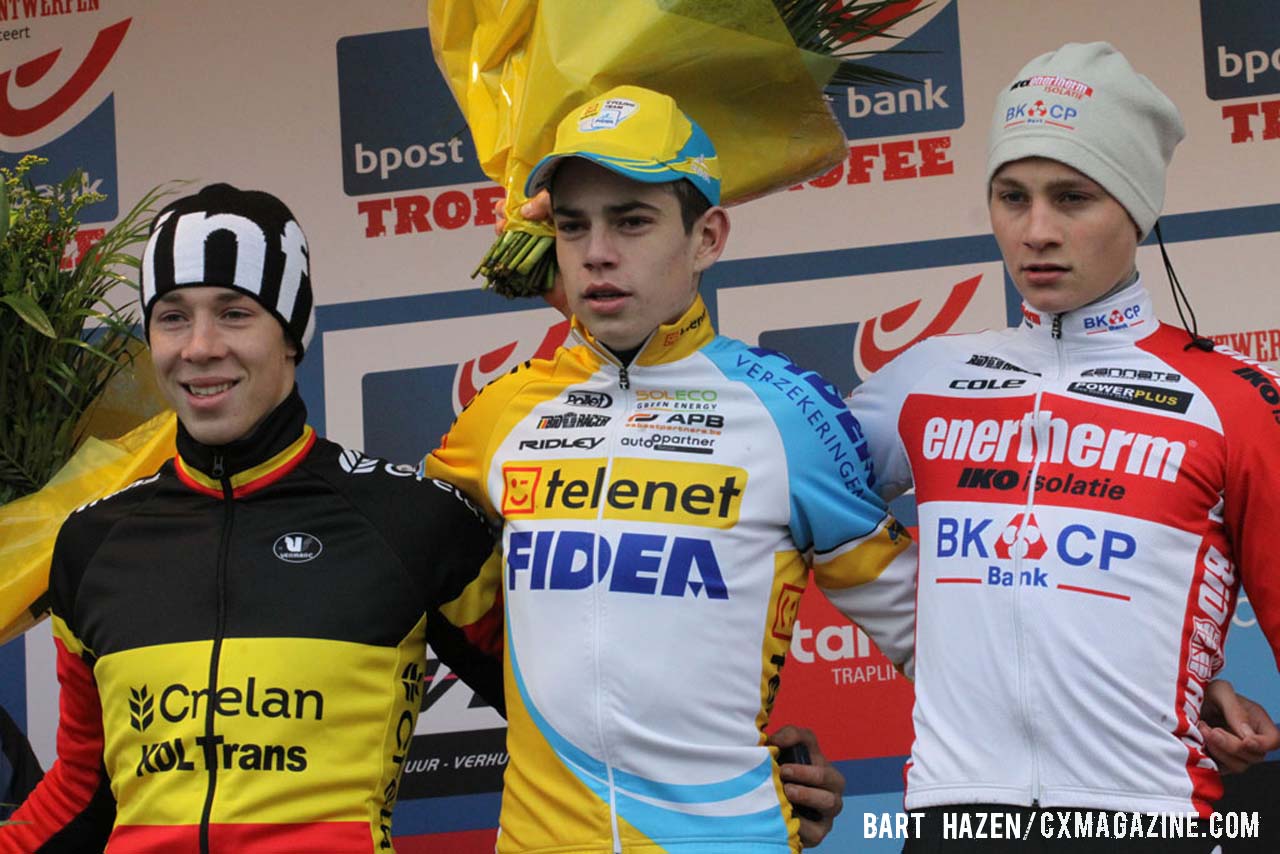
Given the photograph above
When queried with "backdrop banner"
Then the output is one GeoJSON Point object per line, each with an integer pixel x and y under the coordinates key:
{"type": "Point", "coordinates": [338, 108]}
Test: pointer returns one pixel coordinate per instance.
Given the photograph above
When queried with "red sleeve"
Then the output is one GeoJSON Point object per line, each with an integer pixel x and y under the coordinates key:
{"type": "Point", "coordinates": [1251, 509]}
{"type": "Point", "coordinates": [71, 809]}
{"type": "Point", "coordinates": [1246, 397]}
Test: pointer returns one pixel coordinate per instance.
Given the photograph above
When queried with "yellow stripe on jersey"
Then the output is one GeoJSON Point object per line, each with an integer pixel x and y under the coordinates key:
{"type": "Point", "coordinates": [790, 577]}
{"type": "Point", "coordinates": [289, 718]}
{"type": "Point", "coordinates": [862, 560]}
{"type": "Point", "coordinates": [543, 802]}
{"type": "Point", "coordinates": [63, 632]}
{"type": "Point", "coordinates": [477, 598]}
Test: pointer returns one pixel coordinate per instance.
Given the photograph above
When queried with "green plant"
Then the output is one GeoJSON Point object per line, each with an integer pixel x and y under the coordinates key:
{"type": "Point", "coordinates": [61, 340]}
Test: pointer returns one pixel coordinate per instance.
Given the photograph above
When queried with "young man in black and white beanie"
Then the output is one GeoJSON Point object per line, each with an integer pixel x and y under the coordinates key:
{"type": "Point", "coordinates": [218, 266]}
{"type": "Point", "coordinates": [240, 636]}
{"type": "Point", "coordinates": [1093, 489]}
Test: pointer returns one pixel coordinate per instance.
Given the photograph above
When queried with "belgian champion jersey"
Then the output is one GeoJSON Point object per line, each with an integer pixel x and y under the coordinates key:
{"type": "Point", "coordinates": [240, 643]}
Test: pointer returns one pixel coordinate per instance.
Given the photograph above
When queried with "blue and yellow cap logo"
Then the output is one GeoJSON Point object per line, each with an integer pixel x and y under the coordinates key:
{"type": "Point", "coordinates": [638, 133]}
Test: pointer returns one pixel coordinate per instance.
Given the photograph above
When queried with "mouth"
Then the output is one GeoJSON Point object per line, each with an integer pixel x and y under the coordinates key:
{"type": "Point", "coordinates": [205, 390]}
{"type": "Point", "coordinates": [1044, 274]}
{"type": "Point", "coordinates": [605, 296]}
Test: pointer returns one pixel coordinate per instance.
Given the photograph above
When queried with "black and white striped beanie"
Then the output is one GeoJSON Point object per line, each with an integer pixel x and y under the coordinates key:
{"type": "Point", "coordinates": [247, 240]}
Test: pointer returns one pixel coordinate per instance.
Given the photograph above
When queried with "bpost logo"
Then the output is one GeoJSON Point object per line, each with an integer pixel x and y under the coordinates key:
{"type": "Point", "coordinates": [927, 49]}
{"type": "Point", "coordinates": [400, 126]}
{"type": "Point", "coordinates": [402, 130]}
{"type": "Point", "coordinates": [1241, 48]}
{"type": "Point", "coordinates": [637, 490]}
{"type": "Point", "coordinates": [59, 104]}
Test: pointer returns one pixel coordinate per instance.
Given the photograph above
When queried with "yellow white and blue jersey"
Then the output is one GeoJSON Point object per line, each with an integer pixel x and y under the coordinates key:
{"type": "Point", "coordinates": [659, 523]}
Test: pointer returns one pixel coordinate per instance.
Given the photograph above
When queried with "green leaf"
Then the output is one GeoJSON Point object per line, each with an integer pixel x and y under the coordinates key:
{"type": "Point", "coordinates": [4, 210]}
{"type": "Point", "coordinates": [31, 312]}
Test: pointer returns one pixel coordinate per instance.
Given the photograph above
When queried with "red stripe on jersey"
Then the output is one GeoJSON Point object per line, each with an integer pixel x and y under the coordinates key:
{"type": "Point", "coordinates": [1076, 589]}
{"type": "Point", "coordinates": [337, 837]}
{"type": "Point", "coordinates": [1210, 603]}
{"type": "Point", "coordinates": [1246, 396]}
{"type": "Point", "coordinates": [485, 634]}
{"type": "Point", "coordinates": [459, 842]}
{"type": "Point", "coordinates": [958, 580]}
{"type": "Point", "coordinates": [1098, 456]}
{"type": "Point", "coordinates": [67, 789]}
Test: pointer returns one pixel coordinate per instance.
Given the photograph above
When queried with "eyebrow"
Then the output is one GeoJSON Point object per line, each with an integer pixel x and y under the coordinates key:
{"type": "Point", "coordinates": [611, 210]}
{"type": "Point", "coordinates": [1081, 183]}
{"type": "Point", "coordinates": [177, 296]}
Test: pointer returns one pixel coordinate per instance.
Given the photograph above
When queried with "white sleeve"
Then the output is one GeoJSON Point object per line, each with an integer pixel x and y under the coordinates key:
{"type": "Point", "coordinates": [877, 404]}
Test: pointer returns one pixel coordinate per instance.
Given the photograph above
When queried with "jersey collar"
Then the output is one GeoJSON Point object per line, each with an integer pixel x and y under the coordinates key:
{"type": "Point", "coordinates": [270, 452]}
{"type": "Point", "coordinates": [1125, 317]}
{"type": "Point", "coordinates": [670, 342]}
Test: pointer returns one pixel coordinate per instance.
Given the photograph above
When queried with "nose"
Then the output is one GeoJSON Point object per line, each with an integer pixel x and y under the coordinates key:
{"type": "Point", "coordinates": [1042, 227]}
{"type": "Point", "coordinates": [205, 342]}
{"type": "Point", "coordinates": [601, 253]}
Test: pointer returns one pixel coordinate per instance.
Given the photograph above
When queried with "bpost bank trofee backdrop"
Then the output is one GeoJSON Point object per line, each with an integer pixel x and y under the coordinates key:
{"type": "Point", "coordinates": [337, 107]}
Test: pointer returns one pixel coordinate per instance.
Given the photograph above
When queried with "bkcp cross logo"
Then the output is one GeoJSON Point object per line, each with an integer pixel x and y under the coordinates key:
{"type": "Point", "coordinates": [927, 49]}
{"type": "Point", "coordinates": [59, 105]}
{"type": "Point", "coordinates": [400, 127]}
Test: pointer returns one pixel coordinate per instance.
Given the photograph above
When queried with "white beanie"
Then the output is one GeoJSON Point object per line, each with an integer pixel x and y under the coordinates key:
{"type": "Point", "coordinates": [1085, 106]}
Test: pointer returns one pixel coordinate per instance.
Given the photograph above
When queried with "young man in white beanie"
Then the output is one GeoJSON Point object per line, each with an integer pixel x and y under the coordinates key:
{"type": "Point", "coordinates": [1093, 487]}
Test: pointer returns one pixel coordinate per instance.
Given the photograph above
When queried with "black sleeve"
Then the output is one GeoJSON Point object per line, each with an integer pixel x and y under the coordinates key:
{"type": "Point", "coordinates": [481, 671]}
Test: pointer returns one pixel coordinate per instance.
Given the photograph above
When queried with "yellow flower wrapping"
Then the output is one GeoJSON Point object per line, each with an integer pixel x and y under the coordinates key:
{"type": "Point", "coordinates": [517, 67]}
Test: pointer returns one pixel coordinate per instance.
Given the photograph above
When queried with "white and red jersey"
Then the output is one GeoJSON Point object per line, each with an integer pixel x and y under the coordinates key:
{"type": "Point", "coordinates": [1091, 496]}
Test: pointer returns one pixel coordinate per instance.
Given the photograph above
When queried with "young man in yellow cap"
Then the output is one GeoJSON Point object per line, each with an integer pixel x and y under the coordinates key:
{"type": "Point", "coordinates": [663, 492]}
{"type": "Point", "coordinates": [1093, 486]}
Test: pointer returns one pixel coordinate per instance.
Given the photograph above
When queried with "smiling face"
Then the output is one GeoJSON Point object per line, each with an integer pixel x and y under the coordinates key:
{"type": "Point", "coordinates": [221, 359]}
{"type": "Point", "coordinates": [1065, 240]}
{"type": "Point", "coordinates": [627, 262]}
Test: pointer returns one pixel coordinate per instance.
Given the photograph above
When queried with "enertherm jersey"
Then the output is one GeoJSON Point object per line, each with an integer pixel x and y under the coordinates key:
{"type": "Point", "coordinates": [657, 525]}
{"type": "Point", "coordinates": [1091, 495]}
{"type": "Point", "coordinates": [241, 658]}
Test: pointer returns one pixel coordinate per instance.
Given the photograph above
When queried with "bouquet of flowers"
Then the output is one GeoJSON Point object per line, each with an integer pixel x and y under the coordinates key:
{"type": "Point", "coordinates": [750, 72]}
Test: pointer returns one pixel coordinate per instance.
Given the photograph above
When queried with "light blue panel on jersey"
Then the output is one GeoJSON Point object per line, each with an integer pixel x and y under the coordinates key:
{"type": "Point", "coordinates": [828, 460]}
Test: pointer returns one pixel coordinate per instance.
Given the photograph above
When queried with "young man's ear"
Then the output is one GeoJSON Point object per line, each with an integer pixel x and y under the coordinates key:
{"type": "Point", "coordinates": [711, 232]}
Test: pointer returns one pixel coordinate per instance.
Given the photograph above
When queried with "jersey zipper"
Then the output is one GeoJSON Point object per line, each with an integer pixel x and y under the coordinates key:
{"type": "Point", "coordinates": [211, 742]}
{"type": "Point", "coordinates": [1041, 430]}
{"type": "Point", "coordinates": [624, 383]}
